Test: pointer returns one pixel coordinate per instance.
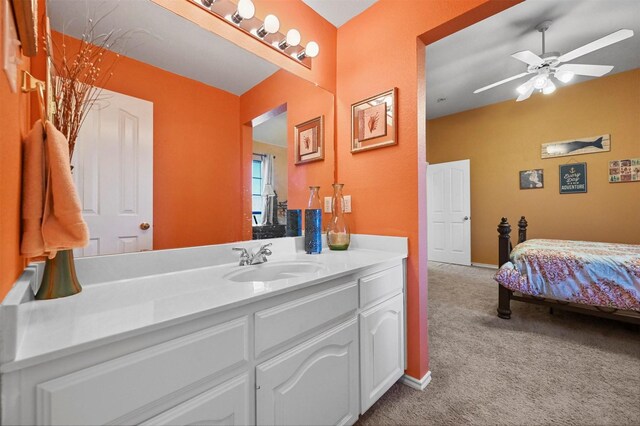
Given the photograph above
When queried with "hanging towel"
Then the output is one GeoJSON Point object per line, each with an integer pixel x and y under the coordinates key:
{"type": "Point", "coordinates": [33, 185]}
{"type": "Point", "coordinates": [62, 224]}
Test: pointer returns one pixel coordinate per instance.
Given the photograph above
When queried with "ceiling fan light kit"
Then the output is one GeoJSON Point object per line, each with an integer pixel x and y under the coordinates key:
{"type": "Point", "coordinates": [552, 64]}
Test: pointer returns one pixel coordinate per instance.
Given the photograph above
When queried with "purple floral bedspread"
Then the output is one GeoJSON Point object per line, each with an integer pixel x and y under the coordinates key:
{"type": "Point", "coordinates": [599, 274]}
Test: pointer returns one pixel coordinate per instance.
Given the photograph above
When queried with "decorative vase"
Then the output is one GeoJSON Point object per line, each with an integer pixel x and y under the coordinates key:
{"type": "Point", "coordinates": [59, 278]}
{"type": "Point", "coordinates": [338, 235]}
{"type": "Point", "coordinates": [313, 223]}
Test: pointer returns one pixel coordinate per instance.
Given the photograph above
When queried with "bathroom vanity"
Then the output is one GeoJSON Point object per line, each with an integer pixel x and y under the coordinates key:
{"type": "Point", "coordinates": [187, 336]}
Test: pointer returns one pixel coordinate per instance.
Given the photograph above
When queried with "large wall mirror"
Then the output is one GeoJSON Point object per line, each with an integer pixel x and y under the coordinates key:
{"type": "Point", "coordinates": [192, 138]}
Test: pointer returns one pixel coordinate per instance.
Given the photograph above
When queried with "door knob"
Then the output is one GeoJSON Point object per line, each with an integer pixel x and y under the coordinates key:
{"type": "Point", "coordinates": [465, 218]}
{"type": "Point", "coordinates": [144, 226]}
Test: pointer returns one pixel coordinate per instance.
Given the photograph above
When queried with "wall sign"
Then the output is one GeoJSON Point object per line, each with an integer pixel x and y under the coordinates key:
{"type": "Point", "coordinates": [624, 170]}
{"type": "Point", "coordinates": [587, 145]}
{"type": "Point", "coordinates": [573, 178]}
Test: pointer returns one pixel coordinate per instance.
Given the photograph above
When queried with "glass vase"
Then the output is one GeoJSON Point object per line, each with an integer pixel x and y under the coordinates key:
{"type": "Point", "coordinates": [59, 278]}
{"type": "Point", "coordinates": [338, 235]}
{"type": "Point", "coordinates": [313, 223]}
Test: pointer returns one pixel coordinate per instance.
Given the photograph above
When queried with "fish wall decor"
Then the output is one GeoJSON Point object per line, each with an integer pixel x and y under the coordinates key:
{"type": "Point", "coordinates": [579, 146]}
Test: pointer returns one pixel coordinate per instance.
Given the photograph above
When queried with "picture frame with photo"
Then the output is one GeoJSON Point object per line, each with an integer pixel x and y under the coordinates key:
{"type": "Point", "coordinates": [532, 179]}
{"type": "Point", "coordinates": [308, 138]}
{"type": "Point", "coordinates": [374, 122]}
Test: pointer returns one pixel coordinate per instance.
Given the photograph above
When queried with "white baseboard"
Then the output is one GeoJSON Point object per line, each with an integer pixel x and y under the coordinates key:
{"type": "Point", "coordinates": [485, 265]}
{"type": "Point", "coordinates": [415, 383]}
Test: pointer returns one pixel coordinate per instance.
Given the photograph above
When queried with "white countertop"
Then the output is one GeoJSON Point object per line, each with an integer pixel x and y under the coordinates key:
{"type": "Point", "coordinates": [140, 301]}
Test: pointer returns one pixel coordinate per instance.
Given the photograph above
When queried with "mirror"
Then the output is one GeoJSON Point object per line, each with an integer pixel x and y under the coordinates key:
{"type": "Point", "coordinates": [165, 159]}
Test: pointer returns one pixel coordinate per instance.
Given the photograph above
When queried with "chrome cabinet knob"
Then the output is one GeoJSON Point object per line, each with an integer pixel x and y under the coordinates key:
{"type": "Point", "coordinates": [144, 226]}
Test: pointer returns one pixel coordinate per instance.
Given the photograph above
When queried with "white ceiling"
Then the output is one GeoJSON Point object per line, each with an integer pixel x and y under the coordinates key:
{"type": "Point", "coordinates": [479, 55]}
{"type": "Point", "coordinates": [339, 11]}
{"type": "Point", "coordinates": [160, 38]}
{"type": "Point", "coordinates": [273, 131]}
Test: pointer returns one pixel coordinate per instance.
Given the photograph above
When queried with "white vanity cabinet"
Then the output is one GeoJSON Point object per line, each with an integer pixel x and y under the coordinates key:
{"type": "Point", "coordinates": [320, 353]}
{"type": "Point", "coordinates": [315, 383]}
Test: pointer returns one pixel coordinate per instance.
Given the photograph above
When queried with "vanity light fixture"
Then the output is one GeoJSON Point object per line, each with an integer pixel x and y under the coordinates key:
{"type": "Point", "coordinates": [291, 40]}
{"type": "Point", "coordinates": [271, 25]}
{"type": "Point", "coordinates": [246, 10]}
{"type": "Point", "coordinates": [241, 14]}
{"type": "Point", "coordinates": [311, 51]}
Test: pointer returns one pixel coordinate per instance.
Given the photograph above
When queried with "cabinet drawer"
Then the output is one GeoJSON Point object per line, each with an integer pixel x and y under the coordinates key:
{"type": "Point", "coordinates": [225, 404]}
{"type": "Point", "coordinates": [377, 287]}
{"type": "Point", "coordinates": [105, 392]}
{"type": "Point", "coordinates": [293, 319]}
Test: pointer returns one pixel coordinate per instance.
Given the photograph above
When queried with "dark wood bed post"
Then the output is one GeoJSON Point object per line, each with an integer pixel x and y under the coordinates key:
{"type": "Point", "coordinates": [522, 230]}
{"type": "Point", "coordinates": [504, 251]}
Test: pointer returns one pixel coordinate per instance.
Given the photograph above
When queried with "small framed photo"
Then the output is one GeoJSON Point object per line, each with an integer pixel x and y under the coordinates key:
{"type": "Point", "coordinates": [573, 178]}
{"type": "Point", "coordinates": [309, 137]}
{"type": "Point", "coordinates": [532, 179]}
{"type": "Point", "coordinates": [374, 122]}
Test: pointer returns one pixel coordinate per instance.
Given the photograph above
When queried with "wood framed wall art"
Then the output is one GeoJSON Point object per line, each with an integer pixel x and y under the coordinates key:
{"type": "Point", "coordinates": [309, 141]}
{"type": "Point", "coordinates": [587, 145]}
{"type": "Point", "coordinates": [27, 23]}
{"type": "Point", "coordinates": [374, 122]}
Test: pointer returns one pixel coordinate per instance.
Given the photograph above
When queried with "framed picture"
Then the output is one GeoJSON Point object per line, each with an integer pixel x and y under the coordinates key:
{"type": "Point", "coordinates": [374, 122]}
{"type": "Point", "coordinates": [586, 145]}
{"type": "Point", "coordinates": [624, 170]}
{"type": "Point", "coordinates": [309, 137]}
{"type": "Point", "coordinates": [573, 178]}
{"type": "Point", "coordinates": [26, 20]}
{"type": "Point", "coordinates": [532, 179]}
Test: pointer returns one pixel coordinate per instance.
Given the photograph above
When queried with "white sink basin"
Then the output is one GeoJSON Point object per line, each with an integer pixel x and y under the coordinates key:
{"type": "Point", "coordinates": [272, 271]}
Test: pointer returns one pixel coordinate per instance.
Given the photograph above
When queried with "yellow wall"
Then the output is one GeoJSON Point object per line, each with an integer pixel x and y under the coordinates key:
{"type": "Point", "coordinates": [502, 139]}
{"type": "Point", "coordinates": [279, 166]}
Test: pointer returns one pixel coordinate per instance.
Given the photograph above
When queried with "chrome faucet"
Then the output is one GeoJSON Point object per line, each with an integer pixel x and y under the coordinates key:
{"type": "Point", "coordinates": [256, 258]}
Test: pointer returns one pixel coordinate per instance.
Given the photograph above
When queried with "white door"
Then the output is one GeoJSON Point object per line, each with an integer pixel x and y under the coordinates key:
{"type": "Point", "coordinates": [315, 383]}
{"type": "Point", "coordinates": [449, 212]}
{"type": "Point", "coordinates": [113, 171]}
{"type": "Point", "coordinates": [382, 349]}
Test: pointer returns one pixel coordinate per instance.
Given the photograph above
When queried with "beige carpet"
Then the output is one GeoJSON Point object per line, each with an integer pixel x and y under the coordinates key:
{"type": "Point", "coordinates": [537, 368]}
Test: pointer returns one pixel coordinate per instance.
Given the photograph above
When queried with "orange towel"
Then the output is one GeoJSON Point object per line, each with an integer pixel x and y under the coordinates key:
{"type": "Point", "coordinates": [51, 210]}
{"type": "Point", "coordinates": [33, 185]}
{"type": "Point", "coordinates": [62, 224]}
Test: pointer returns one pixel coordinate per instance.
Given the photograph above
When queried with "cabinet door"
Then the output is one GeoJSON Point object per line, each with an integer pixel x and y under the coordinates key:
{"type": "Point", "coordinates": [381, 349]}
{"type": "Point", "coordinates": [315, 383]}
{"type": "Point", "coordinates": [225, 404]}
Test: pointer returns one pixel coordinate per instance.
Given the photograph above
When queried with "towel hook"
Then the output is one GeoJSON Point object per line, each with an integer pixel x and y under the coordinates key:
{"type": "Point", "coordinates": [32, 84]}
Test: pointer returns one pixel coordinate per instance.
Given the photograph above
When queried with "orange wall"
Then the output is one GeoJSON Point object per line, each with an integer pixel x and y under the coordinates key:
{"type": "Point", "coordinates": [378, 50]}
{"type": "Point", "coordinates": [14, 125]}
{"type": "Point", "coordinates": [305, 101]}
{"type": "Point", "coordinates": [196, 154]}
{"type": "Point", "coordinates": [502, 139]}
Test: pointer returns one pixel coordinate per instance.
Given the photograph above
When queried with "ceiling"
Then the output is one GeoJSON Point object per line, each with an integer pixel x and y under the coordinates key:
{"type": "Point", "coordinates": [160, 38]}
{"type": "Point", "coordinates": [339, 11]}
{"type": "Point", "coordinates": [273, 131]}
{"type": "Point", "coordinates": [480, 54]}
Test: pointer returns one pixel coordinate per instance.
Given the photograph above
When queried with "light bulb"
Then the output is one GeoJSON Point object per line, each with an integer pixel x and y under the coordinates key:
{"type": "Point", "coordinates": [312, 49]}
{"type": "Point", "coordinates": [564, 76]}
{"type": "Point", "coordinates": [271, 24]}
{"type": "Point", "coordinates": [293, 37]}
{"type": "Point", "coordinates": [522, 89]}
{"type": "Point", "coordinates": [549, 88]}
{"type": "Point", "coordinates": [246, 9]}
{"type": "Point", "coordinates": [540, 81]}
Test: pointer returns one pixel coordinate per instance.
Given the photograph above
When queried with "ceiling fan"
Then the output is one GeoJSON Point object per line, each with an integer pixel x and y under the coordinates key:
{"type": "Point", "coordinates": [552, 64]}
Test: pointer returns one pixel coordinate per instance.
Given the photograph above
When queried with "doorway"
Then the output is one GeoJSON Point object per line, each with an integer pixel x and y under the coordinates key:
{"type": "Point", "coordinates": [449, 212]}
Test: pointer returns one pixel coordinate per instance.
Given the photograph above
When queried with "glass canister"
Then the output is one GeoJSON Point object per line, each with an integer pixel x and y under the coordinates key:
{"type": "Point", "coordinates": [313, 222]}
{"type": "Point", "coordinates": [338, 235]}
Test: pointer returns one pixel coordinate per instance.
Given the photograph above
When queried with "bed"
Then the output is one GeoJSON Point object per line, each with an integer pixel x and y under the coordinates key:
{"type": "Point", "coordinates": [601, 279]}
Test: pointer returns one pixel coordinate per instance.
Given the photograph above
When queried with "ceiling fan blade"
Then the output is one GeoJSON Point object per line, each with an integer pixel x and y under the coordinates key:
{"type": "Point", "coordinates": [591, 70]}
{"type": "Point", "coordinates": [526, 95]}
{"type": "Point", "coordinates": [528, 57]}
{"type": "Point", "coordinates": [506, 80]}
{"type": "Point", "coordinates": [597, 44]}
